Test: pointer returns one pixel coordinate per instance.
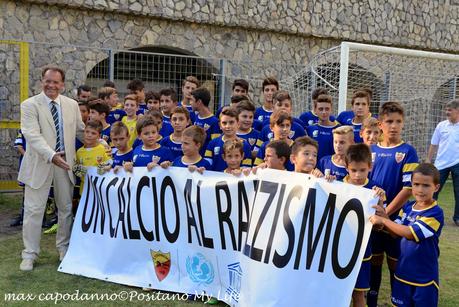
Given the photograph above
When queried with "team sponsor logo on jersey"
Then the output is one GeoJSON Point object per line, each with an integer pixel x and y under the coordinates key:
{"type": "Point", "coordinates": [155, 159]}
{"type": "Point", "coordinates": [399, 156]}
{"type": "Point", "coordinates": [315, 133]}
{"type": "Point", "coordinates": [216, 150]}
{"type": "Point", "coordinates": [260, 118]}
{"type": "Point", "coordinates": [162, 263]}
{"type": "Point", "coordinates": [373, 156]}
{"type": "Point", "coordinates": [206, 126]}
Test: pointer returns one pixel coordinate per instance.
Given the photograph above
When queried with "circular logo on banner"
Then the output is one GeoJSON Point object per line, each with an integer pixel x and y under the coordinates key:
{"type": "Point", "coordinates": [200, 269]}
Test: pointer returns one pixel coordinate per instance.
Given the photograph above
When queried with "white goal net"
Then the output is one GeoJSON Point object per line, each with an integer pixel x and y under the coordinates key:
{"type": "Point", "coordinates": [422, 81]}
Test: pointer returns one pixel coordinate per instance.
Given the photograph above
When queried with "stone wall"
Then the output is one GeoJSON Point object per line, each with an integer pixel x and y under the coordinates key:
{"type": "Point", "coordinates": [422, 24]}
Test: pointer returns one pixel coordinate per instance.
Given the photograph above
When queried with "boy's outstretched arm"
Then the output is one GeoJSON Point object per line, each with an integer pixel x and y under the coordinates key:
{"type": "Point", "coordinates": [394, 228]}
{"type": "Point", "coordinates": [398, 201]}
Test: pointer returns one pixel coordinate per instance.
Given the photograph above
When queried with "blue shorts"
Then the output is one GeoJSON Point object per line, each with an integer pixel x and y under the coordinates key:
{"type": "Point", "coordinates": [405, 295]}
{"type": "Point", "coordinates": [363, 279]}
{"type": "Point", "coordinates": [382, 242]}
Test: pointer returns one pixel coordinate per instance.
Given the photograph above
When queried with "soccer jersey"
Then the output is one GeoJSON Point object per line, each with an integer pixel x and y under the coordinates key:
{"type": "Point", "coordinates": [214, 154]}
{"type": "Point", "coordinates": [252, 137]}
{"type": "Point", "coordinates": [295, 132]}
{"type": "Point", "coordinates": [142, 156]}
{"type": "Point", "coordinates": [357, 127]}
{"type": "Point", "coordinates": [106, 135]}
{"type": "Point", "coordinates": [138, 142]}
{"type": "Point", "coordinates": [119, 159]}
{"type": "Point", "coordinates": [261, 157]}
{"type": "Point", "coordinates": [327, 163]}
{"type": "Point", "coordinates": [418, 262]}
{"type": "Point", "coordinates": [130, 124]}
{"type": "Point", "coordinates": [174, 146]}
{"type": "Point", "coordinates": [261, 114]}
{"type": "Point", "coordinates": [210, 125]}
{"type": "Point", "coordinates": [309, 118]}
{"type": "Point", "coordinates": [142, 108]}
{"type": "Point", "coordinates": [392, 167]}
{"type": "Point", "coordinates": [324, 136]}
{"type": "Point", "coordinates": [266, 122]}
{"type": "Point", "coordinates": [200, 163]}
{"type": "Point", "coordinates": [115, 115]}
{"type": "Point", "coordinates": [345, 117]}
{"type": "Point", "coordinates": [91, 157]}
{"type": "Point", "coordinates": [190, 110]}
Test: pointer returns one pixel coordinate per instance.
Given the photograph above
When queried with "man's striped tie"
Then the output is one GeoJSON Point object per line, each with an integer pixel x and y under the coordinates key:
{"type": "Point", "coordinates": [55, 114]}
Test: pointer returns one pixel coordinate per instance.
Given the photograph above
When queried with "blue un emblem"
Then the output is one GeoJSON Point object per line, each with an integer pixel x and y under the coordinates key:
{"type": "Point", "coordinates": [200, 269]}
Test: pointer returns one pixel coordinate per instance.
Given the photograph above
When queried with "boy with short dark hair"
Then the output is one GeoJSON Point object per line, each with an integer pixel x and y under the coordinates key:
{"type": "Point", "coordinates": [84, 111]}
{"type": "Point", "coordinates": [269, 86]}
{"type": "Point", "coordinates": [180, 118]}
{"type": "Point", "coordinates": [277, 155]}
{"type": "Point", "coordinates": [93, 153]}
{"type": "Point", "coordinates": [229, 125]}
{"type": "Point", "coordinates": [246, 111]}
{"type": "Point", "coordinates": [282, 101]}
{"type": "Point", "coordinates": [192, 139]}
{"type": "Point", "coordinates": [419, 224]}
{"type": "Point", "coordinates": [346, 116]}
{"type": "Point", "coordinates": [189, 84]}
{"type": "Point", "coordinates": [99, 111]}
{"type": "Point", "coordinates": [304, 156]}
{"type": "Point", "coordinates": [322, 131]}
{"type": "Point", "coordinates": [150, 154]}
{"type": "Point", "coordinates": [136, 87]}
{"type": "Point", "coordinates": [167, 101]}
{"type": "Point", "coordinates": [361, 109]}
{"type": "Point", "coordinates": [110, 97]}
{"type": "Point", "coordinates": [240, 87]}
{"type": "Point", "coordinates": [334, 165]}
{"type": "Point", "coordinates": [310, 118]}
{"type": "Point", "coordinates": [280, 124]}
{"type": "Point", "coordinates": [131, 106]}
{"type": "Point", "coordinates": [358, 165]}
{"type": "Point", "coordinates": [199, 101]}
{"type": "Point", "coordinates": [152, 99]}
{"type": "Point", "coordinates": [393, 163]}
{"type": "Point", "coordinates": [120, 138]}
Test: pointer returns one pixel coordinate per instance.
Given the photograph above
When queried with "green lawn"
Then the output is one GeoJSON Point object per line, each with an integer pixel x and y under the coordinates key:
{"type": "Point", "coordinates": [45, 278]}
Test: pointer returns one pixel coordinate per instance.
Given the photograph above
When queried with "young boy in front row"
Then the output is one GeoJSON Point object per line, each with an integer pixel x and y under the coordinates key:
{"type": "Point", "coordinates": [228, 124]}
{"type": "Point", "coordinates": [277, 155]}
{"type": "Point", "coordinates": [193, 138]}
{"type": "Point", "coordinates": [304, 156]}
{"type": "Point", "coordinates": [393, 163]}
{"type": "Point", "coordinates": [419, 223]}
{"type": "Point", "coordinates": [334, 165]}
{"type": "Point", "coordinates": [358, 165]}
{"type": "Point", "coordinates": [120, 138]}
{"type": "Point", "coordinates": [150, 154]}
{"type": "Point", "coordinates": [93, 153]}
{"type": "Point", "coordinates": [233, 154]}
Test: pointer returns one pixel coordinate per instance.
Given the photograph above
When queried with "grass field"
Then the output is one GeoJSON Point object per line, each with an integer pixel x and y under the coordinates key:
{"type": "Point", "coordinates": [45, 278]}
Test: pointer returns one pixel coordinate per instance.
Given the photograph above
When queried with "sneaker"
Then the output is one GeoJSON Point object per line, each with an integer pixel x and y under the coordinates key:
{"type": "Point", "coordinates": [51, 230]}
{"type": "Point", "coordinates": [17, 221]}
{"type": "Point", "coordinates": [49, 223]}
{"type": "Point", "coordinates": [26, 265]}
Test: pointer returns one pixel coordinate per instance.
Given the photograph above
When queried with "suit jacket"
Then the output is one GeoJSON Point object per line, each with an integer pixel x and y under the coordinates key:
{"type": "Point", "coordinates": [38, 128]}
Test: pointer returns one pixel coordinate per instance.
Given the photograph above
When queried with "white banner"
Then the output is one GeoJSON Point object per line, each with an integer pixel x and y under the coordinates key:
{"type": "Point", "coordinates": [274, 239]}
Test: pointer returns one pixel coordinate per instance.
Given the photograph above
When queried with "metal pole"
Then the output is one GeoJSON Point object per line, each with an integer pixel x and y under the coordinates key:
{"type": "Point", "coordinates": [343, 76]}
{"type": "Point", "coordinates": [111, 65]}
{"type": "Point", "coordinates": [222, 82]}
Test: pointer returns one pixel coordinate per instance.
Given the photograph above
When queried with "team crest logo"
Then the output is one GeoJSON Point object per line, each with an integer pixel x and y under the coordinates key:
{"type": "Point", "coordinates": [252, 141]}
{"type": "Point", "coordinates": [399, 156]}
{"type": "Point", "coordinates": [117, 116]}
{"type": "Point", "coordinates": [373, 156]}
{"type": "Point", "coordinates": [270, 135]}
{"type": "Point", "coordinates": [155, 159]}
{"type": "Point", "coordinates": [260, 118]}
{"type": "Point", "coordinates": [105, 138]}
{"type": "Point", "coordinates": [217, 150]}
{"type": "Point", "coordinates": [206, 126]}
{"type": "Point", "coordinates": [162, 263]}
{"type": "Point", "coordinates": [291, 134]}
{"type": "Point", "coordinates": [200, 270]}
{"type": "Point", "coordinates": [310, 122]}
{"type": "Point", "coordinates": [315, 133]}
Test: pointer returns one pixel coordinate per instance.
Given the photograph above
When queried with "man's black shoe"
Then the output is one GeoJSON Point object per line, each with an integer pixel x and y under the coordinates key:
{"type": "Point", "coordinates": [48, 223]}
{"type": "Point", "coordinates": [17, 221]}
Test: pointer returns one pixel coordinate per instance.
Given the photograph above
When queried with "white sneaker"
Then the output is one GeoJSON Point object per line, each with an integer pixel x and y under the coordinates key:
{"type": "Point", "coordinates": [26, 265]}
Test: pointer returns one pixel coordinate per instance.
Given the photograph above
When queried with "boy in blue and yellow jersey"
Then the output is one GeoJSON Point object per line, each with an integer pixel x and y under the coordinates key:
{"type": "Point", "coordinates": [180, 119]}
{"type": "Point", "coordinates": [304, 156]}
{"type": "Point", "coordinates": [152, 100]}
{"type": "Point", "coordinates": [200, 100]}
{"type": "Point", "coordinates": [130, 120]}
{"type": "Point", "coordinates": [245, 110]}
{"type": "Point", "coordinates": [393, 163]}
{"type": "Point", "coordinates": [361, 110]}
{"type": "Point", "coordinates": [167, 101]}
{"type": "Point", "coordinates": [189, 84]}
{"type": "Point", "coordinates": [280, 124]}
{"type": "Point", "coordinates": [120, 138]}
{"type": "Point", "coordinates": [233, 154]}
{"type": "Point", "coordinates": [358, 165]}
{"type": "Point", "coordinates": [192, 139]}
{"type": "Point", "coordinates": [283, 101]}
{"type": "Point", "coordinates": [419, 224]}
{"type": "Point", "coordinates": [334, 165]}
{"type": "Point", "coordinates": [345, 117]}
{"type": "Point", "coordinates": [310, 118]}
{"type": "Point", "coordinates": [322, 132]}
{"type": "Point", "coordinates": [110, 97]}
{"type": "Point", "coordinates": [269, 86]}
{"type": "Point", "coordinates": [228, 124]}
{"type": "Point", "coordinates": [93, 153]}
{"type": "Point", "coordinates": [150, 154]}
{"type": "Point", "coordinates": [99, 111]}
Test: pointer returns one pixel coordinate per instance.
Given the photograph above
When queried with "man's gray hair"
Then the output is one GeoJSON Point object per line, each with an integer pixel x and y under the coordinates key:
{"type": "Point", "coordinates": [453, 104]}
